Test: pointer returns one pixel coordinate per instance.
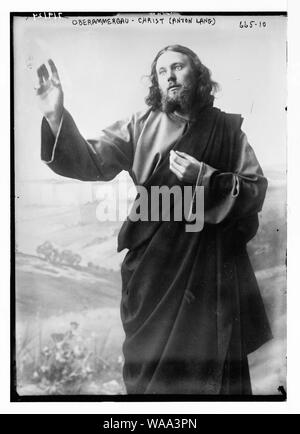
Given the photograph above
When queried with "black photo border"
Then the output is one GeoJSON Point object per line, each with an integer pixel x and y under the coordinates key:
{"type": "Point", "coordinates": [14, 396]}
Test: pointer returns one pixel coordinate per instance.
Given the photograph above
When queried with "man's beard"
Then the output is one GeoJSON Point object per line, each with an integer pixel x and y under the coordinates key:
{"type": "Point", "coordinates": [181, 101]}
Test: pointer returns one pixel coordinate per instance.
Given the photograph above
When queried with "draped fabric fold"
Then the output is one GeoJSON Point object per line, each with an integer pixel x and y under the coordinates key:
{"type": "Point", "coordinates": [184, 293]}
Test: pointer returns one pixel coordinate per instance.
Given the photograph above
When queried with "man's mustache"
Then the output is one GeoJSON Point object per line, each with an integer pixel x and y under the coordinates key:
{"type": "Point", "coordinates": [173, 85]}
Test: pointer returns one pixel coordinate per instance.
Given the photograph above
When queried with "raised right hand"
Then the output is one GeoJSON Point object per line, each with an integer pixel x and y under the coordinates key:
{"type": "Point", "coordinates": [50, 94]}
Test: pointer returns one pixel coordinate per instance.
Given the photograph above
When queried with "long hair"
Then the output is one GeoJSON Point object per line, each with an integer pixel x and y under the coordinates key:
{"type": "Point", "coordinates": [206, 86]}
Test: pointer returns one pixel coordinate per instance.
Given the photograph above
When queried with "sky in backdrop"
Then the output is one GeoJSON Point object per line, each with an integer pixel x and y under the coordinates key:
{"type": "Point", "coordinates": [103, 71]}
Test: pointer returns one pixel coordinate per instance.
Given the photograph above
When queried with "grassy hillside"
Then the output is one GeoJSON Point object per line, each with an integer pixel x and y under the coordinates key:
{"type": "Point", "coordinates": [52, 300]}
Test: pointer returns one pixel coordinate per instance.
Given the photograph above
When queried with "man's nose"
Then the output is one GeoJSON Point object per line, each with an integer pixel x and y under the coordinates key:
{"type": "Point", "coordinates": [171, 75]}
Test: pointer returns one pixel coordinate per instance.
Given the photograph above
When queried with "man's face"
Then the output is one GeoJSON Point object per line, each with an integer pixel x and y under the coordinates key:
{"type": "Point", "coordinates": [175, 77]}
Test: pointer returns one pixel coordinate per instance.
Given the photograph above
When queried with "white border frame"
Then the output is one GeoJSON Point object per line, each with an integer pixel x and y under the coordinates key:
{"type": "Point", "coordinates": [292, 405]}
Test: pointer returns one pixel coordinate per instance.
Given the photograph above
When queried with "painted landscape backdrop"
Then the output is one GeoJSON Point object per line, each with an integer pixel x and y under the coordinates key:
{"type": "Point", "coordinates": [68, 288]}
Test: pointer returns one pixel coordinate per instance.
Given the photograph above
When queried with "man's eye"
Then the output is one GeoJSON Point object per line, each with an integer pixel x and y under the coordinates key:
{"type": "Point", "coordinates": [162, 72]}
{"type": "Point", "coordinates": [178, 67]}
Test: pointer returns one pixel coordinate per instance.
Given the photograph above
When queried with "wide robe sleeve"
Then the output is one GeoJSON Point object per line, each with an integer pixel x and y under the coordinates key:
{"type": "Point", "coordinates": [237, 195]}
{"type": "Point", "coordinates": [70, 155]}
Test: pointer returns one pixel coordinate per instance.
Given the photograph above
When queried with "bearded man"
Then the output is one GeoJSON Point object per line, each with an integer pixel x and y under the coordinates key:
{"type": "Point", "coordinates": [191, 308]}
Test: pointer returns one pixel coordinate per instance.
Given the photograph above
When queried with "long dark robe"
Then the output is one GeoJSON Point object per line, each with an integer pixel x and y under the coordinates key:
{"type": "Point", "coordinates": [191, 308]}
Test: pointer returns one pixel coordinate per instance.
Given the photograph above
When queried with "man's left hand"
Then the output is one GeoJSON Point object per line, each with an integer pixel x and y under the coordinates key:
{"type": "Point", "coordinates": [185, 167]}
